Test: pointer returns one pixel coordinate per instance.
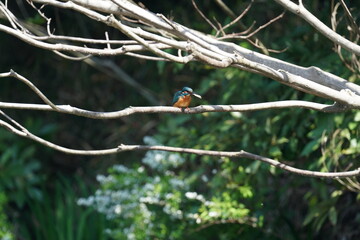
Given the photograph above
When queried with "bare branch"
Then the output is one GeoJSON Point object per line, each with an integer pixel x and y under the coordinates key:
{"type": "Point", "coordinates": [167, 109]}
{"type": "Point", "coordinates": [352, 62]}
{"type": "Point", "coordinates": [225, 8]}
{"type": "Point", "coordinates": [241, 36]}
{"type": "Point", "coordinates": [238, 17]}
{"type": "Point", "coordinates": [354, 26]}
{"type": "Point", "coordinates": [229, 12]}
{"type": "Point", "coordinates": [161, 109]}
{"type": "Point", "coordinates": [132, 110]}
{"type": "Point", "coordinates": [260, 27]}
{"type": "Point", "coordinates": [320, 26]}
{"type": "Point", "coordinates": [121, 148]}
{"type": "Point", "coordinates": [30, 85]}
{"type": "Point", "coordinates": [203, 16]}
{"type": "Point", "coordinates": [146, 57]}
{"type": "Point", "coordinates": [72, 48]}
{"type": "Point", "coordinates": [175, 36]}
{"type": "Point", "coordinates": [143, 42]}
{"type": "Point", "coordinates": [80, 58]}
{"type": "Point", "coordinates": [97, 5]}
{"type": "Point", "coordinates": [14, 22]}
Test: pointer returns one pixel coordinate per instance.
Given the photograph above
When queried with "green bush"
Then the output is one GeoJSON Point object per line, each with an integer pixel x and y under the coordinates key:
{"type": "Point", "coordinates": [57, 215]}
{"type": "Point", "coordinates": [6, 231]}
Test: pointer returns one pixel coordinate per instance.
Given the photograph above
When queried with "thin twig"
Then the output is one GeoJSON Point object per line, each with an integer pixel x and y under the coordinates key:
{"type": "Point", "coordinates": [204, 17]}
{"type": "Point", "coordinates": [80, 58]}
{"type": "Point", "coordinates": [301, 11]}
{"type": "Point", "coordinates": [225, 8]}
{"type": "Point", "coordinates": [237, 35]}
{"type": "Point", "coordinates": [107, 39]}
{"type": "Point", "coordinates": [354, 26]}
{"type": "Point", "coordinates": [239, 17]}
{"type": "Point", "coordinates": [12, 73]}
{"type": "Point", "coordinates": [147, 57]}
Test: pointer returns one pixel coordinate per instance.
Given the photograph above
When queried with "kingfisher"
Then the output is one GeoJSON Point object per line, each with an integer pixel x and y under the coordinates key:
{"type": "Point", "coordinates": [182, 99]}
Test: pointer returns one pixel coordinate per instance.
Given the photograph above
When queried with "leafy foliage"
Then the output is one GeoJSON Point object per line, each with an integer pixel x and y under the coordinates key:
{"type": "Point", "coordinates": [18, 171]}
{"type": "Point", "coordinates": [172, 196]}
{"type": "Point", "coordinates": [154, 201]}
{"type": "Point", "coordinates": [57, 216]}
{"type": "Point", "coordinates": [5, 227]}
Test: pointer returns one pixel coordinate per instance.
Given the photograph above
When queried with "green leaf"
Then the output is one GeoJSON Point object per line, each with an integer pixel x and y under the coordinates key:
{"type": "Point", "coordinates": [333, 215]}
{"type": "Point", "coordinates": [310, 216]}
{"type": "Point", "coordinates": [246, 191]}
{"type": "Point", "coordinates": [357, 117]}
{"type": "Point", "coordinates": [275, 152]}
{"type": "Point", "coordinates": [310, 147]}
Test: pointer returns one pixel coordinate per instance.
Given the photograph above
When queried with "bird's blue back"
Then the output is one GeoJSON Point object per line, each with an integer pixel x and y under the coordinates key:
{"type": "Point", "coordinates": [176, 97]}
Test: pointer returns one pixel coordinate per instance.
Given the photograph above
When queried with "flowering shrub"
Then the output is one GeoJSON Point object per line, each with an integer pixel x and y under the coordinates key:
{"type": "Point", "coordinates": [155, 201]}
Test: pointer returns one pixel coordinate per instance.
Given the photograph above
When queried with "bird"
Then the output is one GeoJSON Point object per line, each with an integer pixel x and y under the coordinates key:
{"type": "Point", "coordinates": [182, 99]}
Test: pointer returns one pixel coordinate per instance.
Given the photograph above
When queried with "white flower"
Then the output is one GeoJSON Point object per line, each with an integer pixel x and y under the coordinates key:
{"type": "Point", "coordinates": [83, 201]}
{"type": "Point", "coordinates": [100, 178]}
{"type": "Point", "coordinates": [200, 198]}
{"type": "Point", "coordinates": [213, 214]}
{"type": "Point", "coordinates": [150, 140]}
{"type": "Point", "coordinates": [169, 196]}
{"type": "Point", "coordinates": [204, 178]}
{"type": "Point", "coordinates": [191, 195]}
{"type": "Point", "coordinates": [131, 236]}
{"type": "Point", "coordinates": [158, 157]}
{"type": "Point", "coordinates": [117, 209]}
{"type": "Point", "coordinates": [177, 183]}
{"type": "Point", "coordinates": [104, 179]}
{"type": "Point", "coordinates": [120, 168]}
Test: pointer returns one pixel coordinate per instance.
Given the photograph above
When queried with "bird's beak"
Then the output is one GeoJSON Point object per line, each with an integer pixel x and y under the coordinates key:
{"type": "Point", "coordinates": [196, 95]}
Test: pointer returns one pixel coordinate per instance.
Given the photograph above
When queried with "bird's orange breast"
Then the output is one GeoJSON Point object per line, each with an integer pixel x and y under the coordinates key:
{"type": "Point", "coordinates": [184, 101]}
